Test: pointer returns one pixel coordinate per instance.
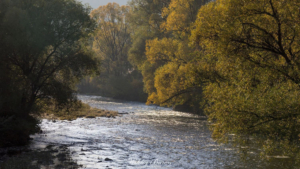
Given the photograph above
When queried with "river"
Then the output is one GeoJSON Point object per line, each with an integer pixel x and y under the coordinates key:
{"type": "Point", "coordinates": [146, 137]}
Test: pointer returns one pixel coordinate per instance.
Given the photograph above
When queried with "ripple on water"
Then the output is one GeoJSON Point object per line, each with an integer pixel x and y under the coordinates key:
{"type": "Point", "coordinates": [150, 137]}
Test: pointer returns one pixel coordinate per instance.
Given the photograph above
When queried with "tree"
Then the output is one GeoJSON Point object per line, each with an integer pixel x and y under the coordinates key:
{"type": "Point", "coordinates": [173, 85]}
{"type": "Point", "coordinates": [250, 50]}
{"type": "Point", "coordinates": [43, 53]}
{"type": "Point", "coordinates": [180, 15]}
{"type": "Point", "coordinates": [111, 42]}
{"type": "Point", "coordinates": [145, 19]}
{"type": "Point", "coordinates": [112, 38]}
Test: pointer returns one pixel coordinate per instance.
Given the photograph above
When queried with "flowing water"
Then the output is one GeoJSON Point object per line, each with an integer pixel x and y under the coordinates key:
{"type": "Point", "coordinates": [146, 137]}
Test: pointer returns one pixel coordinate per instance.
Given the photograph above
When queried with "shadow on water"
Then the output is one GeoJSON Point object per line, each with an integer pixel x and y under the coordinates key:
{"type": "Point", "coordinates": [151, 137]}
{"type": "Point", "coordinates": [51, 156]}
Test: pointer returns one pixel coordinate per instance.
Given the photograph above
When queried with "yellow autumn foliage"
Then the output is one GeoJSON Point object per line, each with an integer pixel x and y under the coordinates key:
{"type": "Point", "coordinates": [172, 83]}
{"type": "Point", "coordinates": [250, 50]}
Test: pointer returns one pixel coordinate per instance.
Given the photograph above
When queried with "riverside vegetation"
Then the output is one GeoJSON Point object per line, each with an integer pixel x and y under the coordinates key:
{"type": "Point", "coordinates": [235, 61]}
{"type": "Point", "coordinates": [43, 57]}
{"type": "Point", "coordinates": [73, 111]}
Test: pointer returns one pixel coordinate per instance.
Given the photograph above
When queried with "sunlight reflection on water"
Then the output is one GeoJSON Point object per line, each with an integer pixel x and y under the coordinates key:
{"type": "Point", "coordinates": [147, 137]}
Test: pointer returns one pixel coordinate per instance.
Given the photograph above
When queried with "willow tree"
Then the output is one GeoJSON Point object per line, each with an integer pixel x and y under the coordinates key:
{"type": "Point", "coordinates": [43, 54]}
{"type": "Point", "coordinates": [173, 85]}
{"type": "Point", "coordinates": [145, 19]}
{"type": "Point", "coordinates": [250, 63]}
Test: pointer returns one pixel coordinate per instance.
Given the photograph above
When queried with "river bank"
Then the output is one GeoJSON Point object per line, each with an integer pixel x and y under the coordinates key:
{"type": "Point", "coordinates": [151, 137]}
{"type": "Point", "coordinates": [51, 156]}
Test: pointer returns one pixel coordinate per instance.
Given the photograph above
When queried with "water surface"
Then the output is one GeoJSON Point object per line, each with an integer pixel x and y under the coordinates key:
{"type": "Point", "coordinates": [146, 137]}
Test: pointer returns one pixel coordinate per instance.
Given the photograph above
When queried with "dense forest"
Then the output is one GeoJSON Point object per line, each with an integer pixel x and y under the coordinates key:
{"type": "Point", "coordinates": [237, 62]}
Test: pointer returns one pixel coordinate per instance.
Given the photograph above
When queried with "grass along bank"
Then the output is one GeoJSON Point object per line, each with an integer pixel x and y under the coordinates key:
{"type": "Point", "coordinates": [73, 111]}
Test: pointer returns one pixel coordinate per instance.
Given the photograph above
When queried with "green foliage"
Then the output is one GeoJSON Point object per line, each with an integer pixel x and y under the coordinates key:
{"type": "Point", "coordinates": [249, 64]}
{"type": "Point", "coordinates": [15, 131]}
{"type": "Point", "coordinates": [43, 54]}
{"type": "Point", "coordinates": [144, 18]}
{"type": "Point", "coordinates": [41, 48]}
{"type": "Point", "coordinates": [243, 55]}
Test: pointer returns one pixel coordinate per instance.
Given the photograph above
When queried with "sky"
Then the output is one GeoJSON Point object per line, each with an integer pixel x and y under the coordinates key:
{"type": "Point", "coordinates": [96, 3]}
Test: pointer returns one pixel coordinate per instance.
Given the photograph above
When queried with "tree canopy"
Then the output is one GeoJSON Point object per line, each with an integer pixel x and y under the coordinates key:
{"type": "Point", "coordinates": [161, 51]}
{"type": "Point", "coordinates": [239, 60]}
{"type": "Point", "coordinates": [43, 53]}
{"type": "Point", "coordinates": [112, 38]}
{"type": "Point", "coordinates": [250, 49]}
{"type": "Point", "coordinates": [111, 41]}
{"type": "Point", "coordinates": [236, 60]}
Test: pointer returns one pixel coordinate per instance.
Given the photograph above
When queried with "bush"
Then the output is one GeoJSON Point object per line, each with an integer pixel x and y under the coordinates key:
{"type": "Point", "coordinates": [15, 130]}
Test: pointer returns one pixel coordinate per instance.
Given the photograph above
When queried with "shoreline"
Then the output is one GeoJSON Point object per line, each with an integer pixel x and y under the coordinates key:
{"type": "Point", "coordinates": [52, 155]}
{"type": "Point", "coordinates": [58, 150]}
{"type": "Point", "coordinates": [92, 113]}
